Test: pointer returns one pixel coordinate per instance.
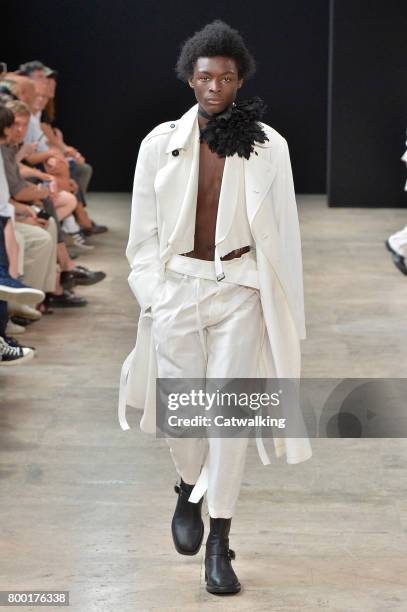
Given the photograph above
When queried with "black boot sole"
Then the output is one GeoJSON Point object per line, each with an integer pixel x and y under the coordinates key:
{"type": "Point", "coordinates": [89, 281]}
{"type": "Point", "coordinates": [68, 305]}
{"type": "Point", "coordinates": [218, 590]}
{"type": "Point", "coordinates": [181, 551]}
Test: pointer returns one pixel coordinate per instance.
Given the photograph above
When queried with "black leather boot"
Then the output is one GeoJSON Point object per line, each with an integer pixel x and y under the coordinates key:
{"type": "Point", "coordinates": [219, 574]}
{"type": "Point", "coordinates": [187, 525]}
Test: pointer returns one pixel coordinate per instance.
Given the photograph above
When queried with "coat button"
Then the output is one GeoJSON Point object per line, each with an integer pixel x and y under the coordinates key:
{"type": "Point", "coordinates": [172, 125]}
{"type": "Point", "coordinates": [175, 152]}
{"type": "Point", "coordinates": [264, 236]}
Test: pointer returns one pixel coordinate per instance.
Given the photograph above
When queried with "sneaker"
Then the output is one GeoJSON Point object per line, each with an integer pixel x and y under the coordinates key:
{"type": "Point", "coordinates": [78, 241]}
{"type": "Point", "coordinates": [15, 343]}
{"type": "Point", "coordinates": [13, 328]}
{"type": "Point", "coordinates": [22, 310]}
{"type": "Point", "coordinates": [14, 355]}
{"type": "Point", "coordinates": [13, 289]}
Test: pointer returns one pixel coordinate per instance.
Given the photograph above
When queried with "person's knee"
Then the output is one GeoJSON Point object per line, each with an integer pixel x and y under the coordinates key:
{"type": "Point", "coordinates": [67, 201]}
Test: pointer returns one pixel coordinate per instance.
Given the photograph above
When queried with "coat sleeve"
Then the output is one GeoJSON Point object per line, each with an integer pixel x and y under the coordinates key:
{"type": "Point", "coordinates": [142, 249]}
{"type": "Point", "coordinates": [289, 231]}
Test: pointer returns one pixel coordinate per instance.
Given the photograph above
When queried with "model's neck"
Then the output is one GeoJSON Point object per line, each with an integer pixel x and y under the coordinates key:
{"type": "Point", "coordinates": [204, 116]}
{"type": "Point", "coordinates": [202, 121]}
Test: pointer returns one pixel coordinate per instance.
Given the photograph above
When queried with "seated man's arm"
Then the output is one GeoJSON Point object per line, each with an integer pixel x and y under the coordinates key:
{"type": "Point", "coordinates": [19, 188]}
{"type": "Point", "coordinates": [51, 137]}
{"type": "Point", "coordinates": [26, 214]}
{"type": "Point", "coordinates": [40, 157]}
{"type": "Point", "coordinates": [31, 192]}
{"type": "Point", "coordinates": [27, 172]}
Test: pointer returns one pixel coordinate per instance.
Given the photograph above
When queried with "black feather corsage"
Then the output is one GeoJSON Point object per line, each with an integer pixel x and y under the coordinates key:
{"type": "Point", "coordinates": [236, 129]}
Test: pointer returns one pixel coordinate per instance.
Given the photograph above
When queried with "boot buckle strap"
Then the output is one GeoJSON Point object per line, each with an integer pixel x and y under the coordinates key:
{"type": "Point", "coordinates": [230, 554]}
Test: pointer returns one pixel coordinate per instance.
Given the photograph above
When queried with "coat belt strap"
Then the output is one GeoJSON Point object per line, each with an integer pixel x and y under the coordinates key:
{"type": "Point", "coordinates": [122, 390]}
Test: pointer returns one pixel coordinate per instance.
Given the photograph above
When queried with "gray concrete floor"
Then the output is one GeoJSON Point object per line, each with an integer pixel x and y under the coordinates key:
{"type": "Point", "coordinates": [86, 507]}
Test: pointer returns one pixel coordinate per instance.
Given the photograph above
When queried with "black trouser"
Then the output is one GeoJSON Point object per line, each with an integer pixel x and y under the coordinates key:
{"type": "Point", "coordinates": [50, 209]}
{"type": "Point", "coordinates": [3, 318]}
{"type": "Point", "coordinates": [74, 175]}
{"type": "Point", "coordinates": [3, 266]}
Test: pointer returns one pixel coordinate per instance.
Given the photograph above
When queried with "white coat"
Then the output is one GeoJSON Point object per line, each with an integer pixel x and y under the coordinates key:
{"type": "Point", "coordinates": [162, 182]}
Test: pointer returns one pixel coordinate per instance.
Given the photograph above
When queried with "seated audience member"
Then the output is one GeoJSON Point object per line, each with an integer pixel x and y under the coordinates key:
{"type": "Point", "coordinates": [39, 72]}
{"type": "Point", "coordinates": [55, 164]}
{"type": "Point", "coordinates": [43, 187]}
{"type": "Point", "coordinates": [6, 209]}
{"type": "Point", "coordinates": [37, 247]}
{"type": "Point", "coordinates": [11, 352]}
{"type": "Point", "coordinates": [51, 158]}
{"type": "Point", "coordinates": [55, 137]}
{"type": "Point", "coordinates": [78, 170]}
{"type": "Point", "coordinates": [65, 169]}
{"type": "Point", "coordinates": [23, 191]}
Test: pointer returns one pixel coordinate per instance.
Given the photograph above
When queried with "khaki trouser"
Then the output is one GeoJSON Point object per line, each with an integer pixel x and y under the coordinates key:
{"type": "Point", "coordinates": [38, 255]}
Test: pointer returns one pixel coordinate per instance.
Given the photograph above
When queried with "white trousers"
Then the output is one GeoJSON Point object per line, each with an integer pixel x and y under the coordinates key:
{"type": "Point", "coordinates": [398, 242]}
{"type": "Point", "coordinates": [207, 329]}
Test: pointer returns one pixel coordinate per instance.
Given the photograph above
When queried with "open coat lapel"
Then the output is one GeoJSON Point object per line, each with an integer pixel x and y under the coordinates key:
{"type": "Point", "coordinates": [259, 174]}
{"type": "Point", "coordinates": [176, 187]}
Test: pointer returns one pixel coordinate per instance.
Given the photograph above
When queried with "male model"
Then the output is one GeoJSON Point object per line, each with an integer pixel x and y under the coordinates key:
{"type": "Point", "coordinates": [215, 253]}
{"type": "Point", "coordinates": [397, 242]}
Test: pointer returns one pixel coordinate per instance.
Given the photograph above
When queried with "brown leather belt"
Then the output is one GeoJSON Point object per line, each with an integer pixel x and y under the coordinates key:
{"type": "Point", "coordinates": [231, 255]}
{"type": "Point", "coordinates": [236, 253]}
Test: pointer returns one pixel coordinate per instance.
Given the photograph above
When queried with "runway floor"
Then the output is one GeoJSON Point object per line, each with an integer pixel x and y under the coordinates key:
{"type": "Point", "coordinates": [86, 507]}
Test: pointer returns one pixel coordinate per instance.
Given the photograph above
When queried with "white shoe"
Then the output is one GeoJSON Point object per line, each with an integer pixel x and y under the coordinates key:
{"type": "Point", "coordinates": [11, 355]}
{"type": "Point", "coordinates": [22, 310]}
{"type": "Point", "coordinates": [13, 329]}
{"type": "Point", "coordinates": [23, 295]}
{"type": "Point", "coordinates": [77, 241]}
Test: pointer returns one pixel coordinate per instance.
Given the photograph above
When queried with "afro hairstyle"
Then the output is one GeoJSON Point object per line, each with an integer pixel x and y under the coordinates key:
{"type": "Point", "coordinates": [216, 38]}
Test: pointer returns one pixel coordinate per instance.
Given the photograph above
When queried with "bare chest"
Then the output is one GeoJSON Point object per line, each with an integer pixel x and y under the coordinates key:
{"type": "Point", "coordinates": [211, 168]}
